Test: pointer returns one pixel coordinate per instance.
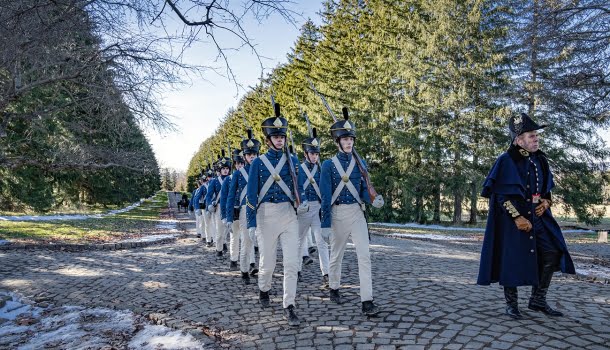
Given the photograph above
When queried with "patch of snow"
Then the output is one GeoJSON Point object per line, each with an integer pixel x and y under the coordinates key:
{"type": "Point", "coordinates": [451, 228]}
{"type": "Point", "coordinates": [167, 225]}
{"type": "Point", "coordinates": [70, 216]}
{"type": "Point", "coordinates": [432, 237]}
{"type": "Point", "coordinates": [592, 270]}
{"type": "Point", "coordinates": [160, 337]}
{"type": "Point", "coordinates": [151, 238]}
{"type": "Point", "coordinates": [75, 327]}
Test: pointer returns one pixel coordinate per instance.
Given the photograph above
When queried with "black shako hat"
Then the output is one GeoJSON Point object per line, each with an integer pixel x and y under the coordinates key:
{"type": "Point", "coordinates": [238, 156]}
{"type": "Point", "coordinates": [343, 128]}
{"type": "Point", "coordinates": [275, 126]}
{"type": "Point", "coordinates": [312, 144]}
{"type": "Point", "coordinates": [250, 145]}
{"type": "Point", "coordinates": [223, 161]}
{"type": "Point", "coordinates": [522, 123]}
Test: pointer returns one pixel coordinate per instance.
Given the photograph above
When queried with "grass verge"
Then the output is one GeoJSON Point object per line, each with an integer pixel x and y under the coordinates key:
{"type": "Point", "coordinates": [134, 223]}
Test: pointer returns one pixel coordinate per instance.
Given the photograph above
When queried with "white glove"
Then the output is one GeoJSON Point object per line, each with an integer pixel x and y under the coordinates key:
{"type": "Point", "coordinates": [303, 208]}
{"type": "Point", "coordinates": [198, 212]}
{"type": "Point", "coordinates": [224, 222]}
{"type": "Point", "coordinates": [378, 202]}
{"type": "Point", "coordinates": [252, 233]}
{"type": "Point", "coordinates": [211, 208]}
{"type": "Point", "coordinates": [326, 232]}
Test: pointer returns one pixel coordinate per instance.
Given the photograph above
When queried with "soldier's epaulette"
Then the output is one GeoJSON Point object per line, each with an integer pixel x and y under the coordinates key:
{"type": "Point", "coordinates": [249, 204]}
{"type": "Point", "coordinates": [511, 209]}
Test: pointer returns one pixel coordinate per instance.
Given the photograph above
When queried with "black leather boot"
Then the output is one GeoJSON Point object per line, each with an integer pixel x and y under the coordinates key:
{"type": "Point", "coordinates": [245, 278]}
{"type": "Point", "coordinates": [512, 302]}
{"type": "Point", "coordinates": [264, 298]}
{"type": "Point", "coordinates": [253, 270]}
{"type": "Point", "coordinates": [291, 316]}
{"type": "Point", "coordinates": [550, 262]}
{"type": "Point", "coordinates": [233, 266]}
{"type": "Point", "coordinates": [369, 308]}
{"type": "Point", "coordinates": [335, 296]}
{"type": "Point", "coordinates": [219, 254]}
{"type": "Point", "coordinates": [325, 281]}
{"type": "Point", "coordinates": [307, 260]}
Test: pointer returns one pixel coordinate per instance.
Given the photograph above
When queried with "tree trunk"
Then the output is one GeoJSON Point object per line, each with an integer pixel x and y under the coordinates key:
{"type": "Point", "coordinates": [474, 195]}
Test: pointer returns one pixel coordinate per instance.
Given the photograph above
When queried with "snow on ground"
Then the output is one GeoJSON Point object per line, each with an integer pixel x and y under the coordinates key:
{"type": "Point", "coordinates": [70, 216]}
{"type": "Point", "coordinates": [450, 228]}
{"type": "Point", "coordinates": [151, 238]}
{"type": "Point", "coordinates": [592, 270]}
{"type": "Point", "coordinates": [432, 237]}
{"type": "Point", "coordinates": [26, 326]}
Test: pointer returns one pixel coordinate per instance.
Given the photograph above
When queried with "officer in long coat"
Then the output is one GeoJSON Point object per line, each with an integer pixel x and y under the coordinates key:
{"type": "Point", "coordinates": [270, 206]}
{"type": "Point", "coordinates": [523, 244]}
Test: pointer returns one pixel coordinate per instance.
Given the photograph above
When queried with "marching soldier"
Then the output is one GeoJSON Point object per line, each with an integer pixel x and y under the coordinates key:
{"type": "Point", "coordinates": [232, 227]}
{"type": "Point", "coordinates": [212, 200]}
{"type": "Point", "coordinates": [210, 232]}
{"type": "Point", "coordinates": [523, 244]}
{"type": "Point", "coordinates": [270, 197]}
{"type": "Point", "coordinates": [198, 204]}
{"type": "Point", "coordinates": [344, 194]}
{"type": "Point", "coordinates": [237, 198]}
{"type": "Point", "coordinates": [309, 178]}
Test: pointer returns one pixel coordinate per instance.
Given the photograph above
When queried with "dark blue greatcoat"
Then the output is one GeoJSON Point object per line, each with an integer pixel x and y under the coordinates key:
{"type": "Point", "coordinates": [509, 256]}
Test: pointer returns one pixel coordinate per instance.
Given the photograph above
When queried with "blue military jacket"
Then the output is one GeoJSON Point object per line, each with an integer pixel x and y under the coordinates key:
{"type": "Point", "coordinates": [309, 194]}
{"type": "Point", "coordinates": [258, 175]}
{"type": "Point", "coordinates": [329, 180]}
{"type": "Point", "coordinates": [508, 255]}
{"type": "Point", "coordinates": [213, 194]}
{"type": "Point", "coordinates": [198, 194]}
{"type": "Point", "coordinates": [238, 183]}
{"type": "Point", "coordinates": [224, 191]}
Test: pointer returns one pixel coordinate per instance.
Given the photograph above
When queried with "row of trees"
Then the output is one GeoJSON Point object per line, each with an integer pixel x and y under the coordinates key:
{"type": "Point", "coordinates": [430, 86]}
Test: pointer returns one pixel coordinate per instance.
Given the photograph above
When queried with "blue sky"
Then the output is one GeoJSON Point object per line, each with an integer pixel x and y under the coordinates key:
{"type": "Point", "coordinates": [197, 107]}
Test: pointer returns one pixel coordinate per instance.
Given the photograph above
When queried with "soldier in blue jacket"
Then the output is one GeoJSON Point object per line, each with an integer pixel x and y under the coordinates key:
{"type": "Point", "coordinates": [232, 228]}
{"type": "Point", "coordinates": [212, 201]}
{"type": "Point", "coordinates": [210, 232]}
{"type": "Point", "coordinates": [198, 204]}
{"type": "Point", "coordinates": [270, 198]}
{"type": "Point", "coordinates": [309, 179]}
{"type": "Point", "coordinates": [344, 194]}
{"type": "Point", "coordinates": [237, 199]}
{"type": "Point", "coordinates": [523, 243]}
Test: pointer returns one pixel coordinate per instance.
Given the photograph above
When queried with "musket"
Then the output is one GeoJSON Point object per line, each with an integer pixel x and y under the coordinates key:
{"type": "Point", "coordinates": [309, 130]}
{"type": "Point", "coordinates": [365, 174]}
{"type": "Point", "coordinates": [291, 167]}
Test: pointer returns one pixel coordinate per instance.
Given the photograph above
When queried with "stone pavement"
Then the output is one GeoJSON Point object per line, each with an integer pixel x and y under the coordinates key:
{"type": "Point", "coordinates": [427, 290]}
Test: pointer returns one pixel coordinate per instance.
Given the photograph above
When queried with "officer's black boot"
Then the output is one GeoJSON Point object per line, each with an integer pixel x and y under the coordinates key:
{"type": "Point", "coordinates": [253, 270]}
{"type": "Point", "coordinates": [291, 317]}
{"type": "Point", "coordinates": [307, 260]}
{"type": "Point", "coordinates": [245, 278]}
{"type": "Point", "coordinates": [512, 302]}
{"type": "Point", "coordinates": [369, 308]}
{"type": "Point", "coordinates": [233, 266]}
{"type": "Point", "coordinates": [335, 296]}
{"type": "Point", "coordinates": [264, 298]}
{"type": "Point", "coordinates": [538, 298]}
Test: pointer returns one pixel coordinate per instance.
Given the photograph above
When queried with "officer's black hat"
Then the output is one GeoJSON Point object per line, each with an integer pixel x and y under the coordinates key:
{"type": "Point", "coordinates": [250, 145]}
{"type": "Point", "coordinates": [209, 173]}
{"type": "Point", "coordinates": [275, 126]}
{"type": "Point", "coordinates": [343, 128]}
{"type": "Point", "coordinates": [238, 156]}
{"type": "Point", "coordinates": [519, 124]}
{"type": "Point", "coordinates": [312, 144]}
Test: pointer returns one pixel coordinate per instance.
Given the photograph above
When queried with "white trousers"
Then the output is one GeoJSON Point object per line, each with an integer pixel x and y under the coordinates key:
{"type": "Point", "coordinates": [311, 220]}
{"type": "Point", "coordinates": [278, 221]}
{"type": "Point", "coordinates": [348, 220]}
{"type": "Point", "coordinates": [209, 226]}
{"type": "Point", "coordinates": [221, 230]}
{"type": "Point", "coordinates": [246, 251]}
{"type": "Point", "coordinates": [199, 223]}
{"type": "Point", "coordinates": [234, 242]}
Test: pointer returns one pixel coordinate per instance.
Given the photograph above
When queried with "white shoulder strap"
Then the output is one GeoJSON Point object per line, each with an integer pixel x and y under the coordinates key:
{"type": "Point", "coordinates": [244, 191]}
{"type": "Point", "coordinates": [310, 178]}
{"type": "Point", "coordinates": [345, 180]}
{"type": "Point", "coordinates": [275, 177]}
